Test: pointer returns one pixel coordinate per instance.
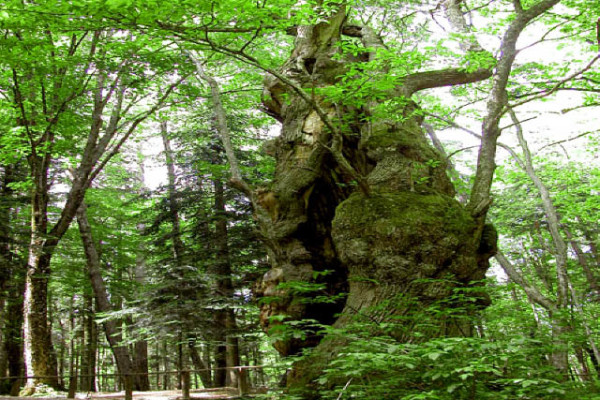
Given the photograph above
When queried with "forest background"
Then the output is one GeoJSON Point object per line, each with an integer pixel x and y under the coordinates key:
{"type": "Point", "coordinates": [304, 221]}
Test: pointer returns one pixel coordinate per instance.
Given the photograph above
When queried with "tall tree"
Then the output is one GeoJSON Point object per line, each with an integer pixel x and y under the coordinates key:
{"type": "Point", "coordinates": [48, 90]}
{"type": "Point", "coordinates": [360, 197]}
{"type": "Point", "coordinates": [12, 283]}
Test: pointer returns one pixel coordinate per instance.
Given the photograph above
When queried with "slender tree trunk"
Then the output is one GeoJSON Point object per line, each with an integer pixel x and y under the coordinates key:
{"type": "Point", "coordinates": [166, 366]}
{"type": "Point", "coordinates": [13, 343]}
{"type": "Point", "coordinates": [560, 323]}
{"type": "Point", "coordinates": [180, 360]}
{"type": "Point", "coordinates": [178, 246]}
{"type": "Point", "coordinates": [63, 351]}
{"type": "Point", "coordinates": [585, 370]}
{"type": "Point", "coordinates": [3, 356]}
{"type": "Point", "coordinates": [583, 262]}
{"type": "Point", "coordinates": [111, 327]}
{"type": "Point", "coordinates": [73, 342]}
{"type": "Point", "coordinates": [6, 264]}
{"type": "Point", "coordinates": [199, 364]}
{"type": "Point", "coordinates": [88, 359]}
{"type": "Point", "coordinates": [157, 365]}
{"type": "Point", "coordinates": [224, 286]}
{"type": "Point", "coordinates": [141, 346]}
{"type": "Point", "coordinates": [208, 361]}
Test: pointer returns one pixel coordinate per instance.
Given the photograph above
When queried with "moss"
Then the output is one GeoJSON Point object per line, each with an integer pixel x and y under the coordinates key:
{"type": "Point", "coordinates": [402, 236]}
{"type": "Point", "coordinates": [388, 213]}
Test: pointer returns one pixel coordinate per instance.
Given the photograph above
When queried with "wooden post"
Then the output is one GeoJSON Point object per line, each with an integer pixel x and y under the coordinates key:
{"type": "Point", "coordinates": [128, 384]}
{"type": "Point", "coordinates": [185, 384]}
{"type": "Point", "coordinates": [72, 387]}
{"type": "Point", "coordinates": [241, 380]}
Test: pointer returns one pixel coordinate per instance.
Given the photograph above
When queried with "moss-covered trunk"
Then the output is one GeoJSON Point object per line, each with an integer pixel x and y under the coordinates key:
{"type": "Point", "coordinates": [397, 234]}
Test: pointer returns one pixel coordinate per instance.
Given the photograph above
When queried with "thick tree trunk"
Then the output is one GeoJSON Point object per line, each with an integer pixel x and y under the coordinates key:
{"type": "Point", "coordinates": [38, 352]}
{"type": "Point", "coordinates": [219, 351]}
{"type": "Point", "coordinates": [40, 360]}
{"type": "Point", "coordinates": [363, 207]}
{"type": "Point", "coordinates": [111, 327]}
{"type": "Point", "coordinates": [141, 365]}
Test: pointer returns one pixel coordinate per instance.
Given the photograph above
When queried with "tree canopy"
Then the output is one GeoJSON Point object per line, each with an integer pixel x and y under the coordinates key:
{"type": "Point", "coordinates": [371, 198]}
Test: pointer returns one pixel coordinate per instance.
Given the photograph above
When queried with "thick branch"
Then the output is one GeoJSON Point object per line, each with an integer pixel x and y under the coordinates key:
{"type": "Point", "coordinates": [332, 129]}
{"type": "Point", "coordinates": [445, 77]}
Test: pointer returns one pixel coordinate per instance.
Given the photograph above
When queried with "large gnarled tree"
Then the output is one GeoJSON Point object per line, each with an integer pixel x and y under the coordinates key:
{"type": "Point", "coordinates": [360, 202]}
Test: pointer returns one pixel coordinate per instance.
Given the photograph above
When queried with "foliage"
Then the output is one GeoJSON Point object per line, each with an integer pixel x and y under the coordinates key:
{"type": "Point", "coordinates": [57, 56]}
{"type": "Point", "coordinates": [504, 362]}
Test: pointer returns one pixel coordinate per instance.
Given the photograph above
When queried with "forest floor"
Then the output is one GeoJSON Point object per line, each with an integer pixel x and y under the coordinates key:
{"type": "Point", "coordinates": [224, 393]}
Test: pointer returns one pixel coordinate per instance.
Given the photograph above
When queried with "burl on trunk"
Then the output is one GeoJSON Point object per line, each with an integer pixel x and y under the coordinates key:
{"type": "Point", "coordinates": [360, 204]}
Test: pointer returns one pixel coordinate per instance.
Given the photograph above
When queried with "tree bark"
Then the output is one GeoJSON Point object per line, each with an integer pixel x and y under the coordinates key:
{"type": "Point", "coordinates": [11, 289]}
{"type": "Point", "coordinates": [39, 356]}
{"type": "Point", "coordinates": [178, 246]}
{"type": "Point", "coordinates": [88, 361]}
{"type": "Point", "coordinates": [387, 232]}
{"type": "Point", "coordinates": [111, 327]}
{"type": "Point", "coordinates": [12, 335]}
{"type": "Point", "coordinates": [199, 364]}
{"type": "Point", "coordinates": [224, 286]}
{"type": "Point", "coordinates": [140, 354]}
